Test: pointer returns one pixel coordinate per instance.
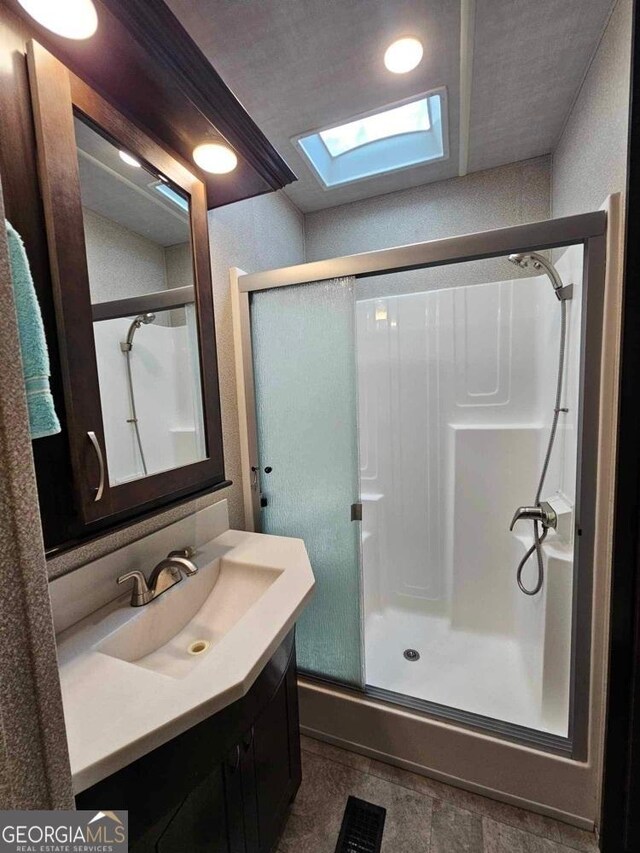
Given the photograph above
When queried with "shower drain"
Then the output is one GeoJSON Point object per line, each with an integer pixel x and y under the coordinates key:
{"type": "Point", "coordinates": [411, 654]}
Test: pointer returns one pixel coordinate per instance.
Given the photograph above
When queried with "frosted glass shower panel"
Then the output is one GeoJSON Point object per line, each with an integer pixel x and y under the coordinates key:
{"type": "Point", "coordinates": [305, 377]}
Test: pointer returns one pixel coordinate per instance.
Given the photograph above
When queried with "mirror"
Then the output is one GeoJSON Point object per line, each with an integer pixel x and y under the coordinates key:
{"type": "Point", "coordinates": [137, 233]}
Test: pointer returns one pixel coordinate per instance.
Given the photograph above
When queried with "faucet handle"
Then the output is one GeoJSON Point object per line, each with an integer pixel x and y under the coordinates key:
{"type": "Point", "coordinates": [182, 564]}
{"type": "Point", "coordinates": [140, 594]}
{"type": "Point", "coordinates": [186, 553]}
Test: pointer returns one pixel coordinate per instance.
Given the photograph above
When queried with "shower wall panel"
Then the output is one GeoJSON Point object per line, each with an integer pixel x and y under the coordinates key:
{"type": "Point", "coordinates": [400, 481]}
{"type": "Point", "coordinates": [429, 363]}
{"type": "Point", "coordinates": [493, 468]}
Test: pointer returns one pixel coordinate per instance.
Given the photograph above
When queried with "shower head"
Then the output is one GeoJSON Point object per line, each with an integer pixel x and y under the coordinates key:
{"type": "Point", "coordinates": [539, 262]}
{"type": "Point", "coordinates": [141, 319]}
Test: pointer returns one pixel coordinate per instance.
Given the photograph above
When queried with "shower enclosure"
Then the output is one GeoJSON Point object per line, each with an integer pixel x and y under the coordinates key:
{"type": "Point", "coordinates": [457, 390]}
{"type": "Point", "coordinates": [399, 409]}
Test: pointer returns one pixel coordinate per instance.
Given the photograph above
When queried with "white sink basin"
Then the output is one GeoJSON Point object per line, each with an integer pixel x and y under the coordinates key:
{"type": "Point", "coordinates": [180, 628]}
{"type": "Point", "coordinates": [134, 677]}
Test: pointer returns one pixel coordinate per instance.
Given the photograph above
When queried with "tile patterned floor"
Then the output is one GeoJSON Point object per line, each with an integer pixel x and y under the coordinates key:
{"type": "Point", "coordinates": [423, 816]}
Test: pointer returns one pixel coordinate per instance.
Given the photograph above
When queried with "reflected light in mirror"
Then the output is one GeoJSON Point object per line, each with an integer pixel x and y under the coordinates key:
{"type": "Point", "coordinates": [216, 158]}
{"type": "Point", "coordinates": [129, 160]}
{"type": "Point", "coordinates": [403, 55]}
{"type": "Point", "coordinates": [73, 19]}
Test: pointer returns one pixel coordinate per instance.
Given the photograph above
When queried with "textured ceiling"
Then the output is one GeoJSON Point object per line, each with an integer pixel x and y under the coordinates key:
{"type": "Point", "coordinates": [299, 65]}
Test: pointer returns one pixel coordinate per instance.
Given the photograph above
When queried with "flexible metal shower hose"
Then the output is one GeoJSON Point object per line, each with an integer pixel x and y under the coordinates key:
{"type": "Point", "coordinates": [134, 413]}
{"type": "Point", "coordinates": [539, 538]}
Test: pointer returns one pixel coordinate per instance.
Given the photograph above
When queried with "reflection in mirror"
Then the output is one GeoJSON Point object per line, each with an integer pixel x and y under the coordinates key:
{"type": "Point", "coordinates": [150, 392]}
{"type": "Point", "coordinates": [138, 243]}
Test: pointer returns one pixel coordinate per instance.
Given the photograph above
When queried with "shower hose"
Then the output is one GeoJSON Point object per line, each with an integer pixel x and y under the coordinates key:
{"type": "Point", "coordinates": [539, 537]}
{"type": "Point", "coordinates": [134, 414]}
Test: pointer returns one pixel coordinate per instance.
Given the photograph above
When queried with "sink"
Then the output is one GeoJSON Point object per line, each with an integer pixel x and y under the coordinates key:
{"type": "Point", "coordinates": [134, 677]}
{"type": "Point", "coordinates": [174, 633]}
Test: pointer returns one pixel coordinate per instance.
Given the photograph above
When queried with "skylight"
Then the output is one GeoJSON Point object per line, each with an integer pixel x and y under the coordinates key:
{"type": "Point", "coordinates": [172, 195]}
{"type": "Point", "coordinates": [397, 137]}
{"type": "Point", "coordinates": [409, 118]}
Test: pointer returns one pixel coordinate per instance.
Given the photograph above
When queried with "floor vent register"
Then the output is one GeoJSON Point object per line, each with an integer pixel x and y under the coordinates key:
{"type": "Point", "coordinates": [362, 827]}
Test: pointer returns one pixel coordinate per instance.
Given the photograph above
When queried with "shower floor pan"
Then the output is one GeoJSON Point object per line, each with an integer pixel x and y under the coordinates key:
{"type": "Point", "coordinates": [478, 673]}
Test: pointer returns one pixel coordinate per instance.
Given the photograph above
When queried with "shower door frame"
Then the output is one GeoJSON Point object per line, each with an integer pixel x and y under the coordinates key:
{"type": "Point", "coordinates": [589, 230]}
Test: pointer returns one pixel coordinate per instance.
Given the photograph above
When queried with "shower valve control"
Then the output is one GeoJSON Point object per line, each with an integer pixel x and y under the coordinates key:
{"type": "Point", "coordinates": [543, 512]}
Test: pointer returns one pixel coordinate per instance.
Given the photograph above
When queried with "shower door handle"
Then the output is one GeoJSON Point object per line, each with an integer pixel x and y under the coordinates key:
{"type": "Point", "coordinates": [356, 512]}
{"type": "Point", "coordinates": [93, 438]}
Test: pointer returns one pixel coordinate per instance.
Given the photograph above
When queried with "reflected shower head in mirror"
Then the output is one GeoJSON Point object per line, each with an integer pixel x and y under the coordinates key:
{"type": "Point", "coordinates": [126, 347]}
{"type": "Point", "coordinates": [141, 319]}
{"type": "Point", "coordinates": [538, 262]}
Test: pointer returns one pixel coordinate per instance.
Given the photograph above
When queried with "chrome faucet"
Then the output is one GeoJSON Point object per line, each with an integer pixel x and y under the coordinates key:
{"type": "Point", "coordinates": [543, 512]}
{"type": "Point", "coordinates": [166, 574]}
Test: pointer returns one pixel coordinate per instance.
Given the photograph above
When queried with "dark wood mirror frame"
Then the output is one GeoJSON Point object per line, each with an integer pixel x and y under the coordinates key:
{"type": "Point", "coordinates": [56, 95]}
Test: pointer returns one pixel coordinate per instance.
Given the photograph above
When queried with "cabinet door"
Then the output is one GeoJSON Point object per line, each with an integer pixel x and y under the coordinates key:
{"type": "Point", "coordinates": [194, 794]}
{"type": "Point", "coordinates": [129, 254]}
{"type": "Point", "coordinates": [249, 793]}
{"type": "Point", "coordinates": [200, 825]}
{"type": "Point", "coordinates": [234, 800]}
{"type": "Point", "coordinates": [276, 754]}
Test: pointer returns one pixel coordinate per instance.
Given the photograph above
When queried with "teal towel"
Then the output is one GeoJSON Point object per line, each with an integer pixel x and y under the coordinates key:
{"type": "Point", "coordinates": [33, 346]}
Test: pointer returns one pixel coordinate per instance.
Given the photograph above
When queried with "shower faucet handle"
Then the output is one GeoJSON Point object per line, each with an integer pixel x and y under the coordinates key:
{"type": "Point", "coordinates": [543, 512]}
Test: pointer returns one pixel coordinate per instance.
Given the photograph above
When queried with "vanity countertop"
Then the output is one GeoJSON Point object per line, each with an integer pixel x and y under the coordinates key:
{"type": "Point", "coordinates": [130, 678]}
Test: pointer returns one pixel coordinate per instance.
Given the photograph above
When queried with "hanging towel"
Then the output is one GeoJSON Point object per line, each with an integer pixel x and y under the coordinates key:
{"type": "Point", "coordinates": [33, 346]}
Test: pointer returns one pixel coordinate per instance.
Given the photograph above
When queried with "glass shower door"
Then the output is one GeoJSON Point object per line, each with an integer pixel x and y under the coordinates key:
{"type": "Point", "coordinates": [427, 393]}
{"type": "Point", "coordinates": [457, 382]}
{"type": "Point", "coordinates": [303, 340]}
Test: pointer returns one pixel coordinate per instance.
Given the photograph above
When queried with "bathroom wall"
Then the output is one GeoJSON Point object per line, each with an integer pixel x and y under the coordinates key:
{"type": "Point", "coordinates": [590, 159]}
{"type": "Point", "coordinates": [178, 265]}
{"type": "Point", "coordinates": [508, 195]}
{"type": "Point", "coordinates": [257, 234]}
{"type": "Point", "coordinates": [121, 263]}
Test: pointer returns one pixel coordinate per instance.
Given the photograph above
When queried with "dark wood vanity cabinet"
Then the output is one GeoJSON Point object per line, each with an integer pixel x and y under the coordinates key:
{"type": "Point", "coordinates": [223, 786]}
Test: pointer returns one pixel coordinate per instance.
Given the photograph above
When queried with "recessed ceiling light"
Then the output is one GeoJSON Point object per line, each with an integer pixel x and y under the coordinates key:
{"type": "Point", "coordinates": [403, 55]}
{"type": "Point", "coordinates": [73, 19]}
{"type": "Point", "coordinates": [216, 158]}
{"type": "Point", "coordinates": [129, 160]}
